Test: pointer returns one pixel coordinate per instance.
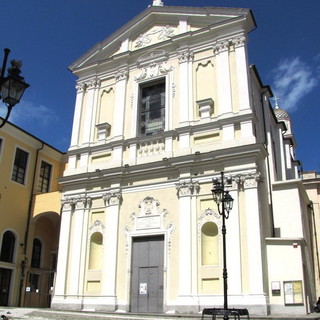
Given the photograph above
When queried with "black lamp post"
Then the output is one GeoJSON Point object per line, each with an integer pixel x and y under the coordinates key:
{"type": "Point", "coordinates": [12, 86]}
{"type": "Point", "coordinates": [224, 202]}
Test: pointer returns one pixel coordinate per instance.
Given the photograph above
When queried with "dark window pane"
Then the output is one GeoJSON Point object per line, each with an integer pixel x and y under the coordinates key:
{"type": "Point", "coordinates": [7, 247]}
{"type": "Point", "coordinates": [44, 177]}
{"type": "Point", "coordinates": [152, 108]}
{"type": "Point", "coordinates": [19, 166]}
{"type": "Point", "coordinates": [36, 254]}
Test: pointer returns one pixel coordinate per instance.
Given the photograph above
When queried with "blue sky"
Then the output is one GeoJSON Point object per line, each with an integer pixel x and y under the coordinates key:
{"type": "Point", "coordinates": [49, 35]}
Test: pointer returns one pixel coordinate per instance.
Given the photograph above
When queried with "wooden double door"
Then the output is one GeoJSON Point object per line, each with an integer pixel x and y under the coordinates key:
{"type": "Point", "coordinates": [147, 274]}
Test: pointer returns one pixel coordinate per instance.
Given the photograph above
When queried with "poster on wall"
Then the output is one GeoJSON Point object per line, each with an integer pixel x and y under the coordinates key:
{"type": "Point", "coordinates": [293, 292]}
{"type": "Point", "coordinates": [143, 288]}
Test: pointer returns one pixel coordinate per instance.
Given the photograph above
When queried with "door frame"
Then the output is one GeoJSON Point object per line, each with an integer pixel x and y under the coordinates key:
{"type": "Point", "coordinates": [165, 265]}
{"type": "Point", "coordinates": [10, 283]}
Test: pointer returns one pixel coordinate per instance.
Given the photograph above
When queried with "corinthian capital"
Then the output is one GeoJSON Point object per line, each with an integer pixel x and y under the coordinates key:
{"type": "Point", "coordinates": [93, 84]}
{"type": "Point", "coordinates": [80, 87]}
{"type": "Point", "coordinates": [122, 74]}
{"type": "Point", "coordinates": [187, 188]}
{"type": "Point", "coordinates": [112, 198]}
{"type": "Point", "coordinates": [185, 56]}
{"type": "Point", "coordinates": [239, 41]}
{"type": "Point", "coordinates": [221, 47]}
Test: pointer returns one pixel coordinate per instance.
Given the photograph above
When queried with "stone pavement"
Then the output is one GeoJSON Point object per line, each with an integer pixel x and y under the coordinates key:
{"type": "Point", "coordinates": [48, 314]}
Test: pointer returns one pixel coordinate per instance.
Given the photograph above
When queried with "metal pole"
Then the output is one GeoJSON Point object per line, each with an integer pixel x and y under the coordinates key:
{"type": "Point", "coordinates": [225, 272]}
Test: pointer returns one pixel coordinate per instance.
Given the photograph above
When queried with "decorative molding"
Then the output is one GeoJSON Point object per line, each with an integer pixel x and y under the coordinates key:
{"type": "Point", "coordinates": [73, 203]}
{"type": "Point", "coordinates": [170, 228]}
{"type": "Point", "coordinates": [80, 87]}
{"type": "Point", "coordinates": [251, 180]}
{"type": "Point", "coordinates": [187, 188]}
{"type": "Point", "coordinates": [153, 70]}
{"type": "Point", "coordinates": [173, 88]}
{"type": "Point", "coordinates": [209, 215]}
{"type": "Point", "coordinates": [122, 74]}
{"type": "Point", "coordinates": [164, 33]}
{"type": "Point", "coordinates": [185, 56]}
{"type": "Point", "coordinates": [93, 84]}
{"type": "Point", "coordinates": [112, 198]}
{"type": "Point", "coordinates": [221, 47]}
{"type": "Point", "coordinates": [239, 41]}
{"type": "Point", "coordinates": [205, 108]}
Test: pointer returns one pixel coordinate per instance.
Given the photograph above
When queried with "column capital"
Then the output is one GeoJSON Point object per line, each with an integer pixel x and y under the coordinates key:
{"type": "Point", "coordinates": [246, 181]}
{"type": "Point", "coordinates": [80, 87]}
{"type": "Point", "coordinates": [238, 41]}
{"type": "Point", "coordinates": [185, 56]}
{"type": "Point", "coordinates": [93, 84]}
{"type": "Point", "coordinates": [73, 203]}
{"type": "Point", "coordinates": [220, 47]}
{"type": "Point", "coordinates": [112, 198]}
{"type": "Point", "coordinates": [122, 74]}
{"type": "Point", "coordinates": [187, 189]}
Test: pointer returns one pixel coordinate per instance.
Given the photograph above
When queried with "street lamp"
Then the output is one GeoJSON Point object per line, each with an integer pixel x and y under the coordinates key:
{"type": "Point", "coordinates": [12, 86]}
{"type": "Point", "coordinates": [224, 201]}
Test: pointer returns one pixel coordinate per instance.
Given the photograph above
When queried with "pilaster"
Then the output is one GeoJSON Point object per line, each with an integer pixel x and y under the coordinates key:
{"type": "Point", "coordinates": [60, 287]}
{"type": "Point", "coordinates": [120, 100]}
{"type": "Point", "coordinates": [253, 227]}
{"type": "Point", "coordinates": [92, 87]}
{"type": "Point", "coordinates": [77, 237]}
{"type": "Point", "coordinates": [113, 201]}
{"type": "Point", "coordinates": [221, 50]}
{"type": "Point", "coordinates": [187, 189]}
{"type": "Point", "coordinates": [77, 115]}
{"type": "Point", "coordinates": [242, 72]}
{"type": "Point", "coordinates": [185, 85]}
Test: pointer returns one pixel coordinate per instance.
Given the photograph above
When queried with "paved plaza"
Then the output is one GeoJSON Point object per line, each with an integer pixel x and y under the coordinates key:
{"type": "Point", "coordinates": [49, 314]}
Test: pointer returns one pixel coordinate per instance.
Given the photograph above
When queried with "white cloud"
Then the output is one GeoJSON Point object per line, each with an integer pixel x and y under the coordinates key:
{"type": "Point", "coordinates": [27, 112]}
{"type": "Point", "coordinates": [293, 79]}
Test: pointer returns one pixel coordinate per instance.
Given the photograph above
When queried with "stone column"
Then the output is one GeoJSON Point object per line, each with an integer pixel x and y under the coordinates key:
{"type": "Point", "coordinates": [185, 85]}
{"type": "Point", "coordinates": [254, 235]}
{"type": "Point", "coordinates": [92, 87]}
{"type": "Point", "coordinates": [221, 51]}
{"type": "Point", "coordinates": [120, 101]}
{"type": "Point", "coordinates": [242, 72]}
{"type": "Point", "coordinates": [76, 241]}
{"type": "Point", "coordinates": [186, 190]}
{"type": "Point", "coordinates": [64, 242]}
{"type": "Point", "coordinates": [113, 201]}
{"type": "Point", "coordinates": [77, 115]}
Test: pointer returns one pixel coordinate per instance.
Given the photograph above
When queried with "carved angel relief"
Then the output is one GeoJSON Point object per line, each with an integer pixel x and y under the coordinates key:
{"type": "Point", "coordinates": [163, 33]}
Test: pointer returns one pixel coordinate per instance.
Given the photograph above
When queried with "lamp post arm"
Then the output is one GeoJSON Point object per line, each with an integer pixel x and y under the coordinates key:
{"type": "Point", "coordinates": [7, 116]}
{"type": "Point", "coordinates": [4, 63]}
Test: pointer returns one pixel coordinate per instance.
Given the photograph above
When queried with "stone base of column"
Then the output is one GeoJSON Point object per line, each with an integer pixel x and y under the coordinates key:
{"type": "Point", "coordinates": [94, 304]}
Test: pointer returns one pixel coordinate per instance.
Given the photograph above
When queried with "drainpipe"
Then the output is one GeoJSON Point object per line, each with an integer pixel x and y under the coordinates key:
{"type": "Point", "coordinates": [24, 262]}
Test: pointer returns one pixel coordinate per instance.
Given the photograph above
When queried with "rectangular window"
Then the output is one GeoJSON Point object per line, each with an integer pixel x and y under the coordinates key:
{"type": "Point", "coordinates": [20, 166]}
{"type": "Point", "coordinates": [152, 108]}
{"type": "Point", "coordinates": [44, 177]}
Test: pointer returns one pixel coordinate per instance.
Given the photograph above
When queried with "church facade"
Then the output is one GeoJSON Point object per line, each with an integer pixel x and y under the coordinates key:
{"type": "Point", "coordinates": [163, 105]}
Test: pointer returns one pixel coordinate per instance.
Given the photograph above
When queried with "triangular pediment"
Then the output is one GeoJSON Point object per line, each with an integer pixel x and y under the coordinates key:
{"type": "Point", "coordinates": [158, 24]}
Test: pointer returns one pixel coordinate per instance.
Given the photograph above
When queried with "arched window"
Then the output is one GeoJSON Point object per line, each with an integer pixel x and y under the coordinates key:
{"type": "Point", "coordinates": [209, 244]}
{"type": "Point", "coordinates": [95, 256]}
{"type": "Point", "coordinates": [7, 247]}
{"type": "Point", "coordinates": [36, 254]}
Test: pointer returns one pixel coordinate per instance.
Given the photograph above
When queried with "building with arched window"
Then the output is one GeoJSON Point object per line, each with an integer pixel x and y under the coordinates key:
{"type": "Point", "coordinates": [29, 229]}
